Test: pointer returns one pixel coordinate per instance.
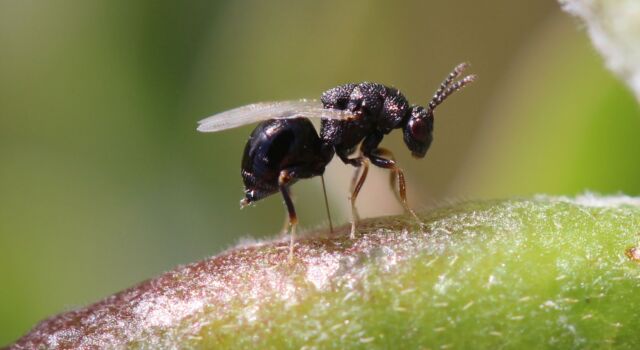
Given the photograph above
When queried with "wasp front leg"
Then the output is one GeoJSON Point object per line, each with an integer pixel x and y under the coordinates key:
{"type": "Point", "coordinates": [377, 158]}
{"type": "Point", "coordinates": [393, 178]}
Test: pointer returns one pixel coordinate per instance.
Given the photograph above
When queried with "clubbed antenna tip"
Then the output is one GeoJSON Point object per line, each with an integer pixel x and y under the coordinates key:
{"type": "Point", "coordinates": [470, 78]}
{"type": "Point", "coordinates": [460, 68]}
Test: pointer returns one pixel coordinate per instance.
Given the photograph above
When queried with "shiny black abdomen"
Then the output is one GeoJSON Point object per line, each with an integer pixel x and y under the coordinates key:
{"type": "Point", "coordinates": [281, 144]}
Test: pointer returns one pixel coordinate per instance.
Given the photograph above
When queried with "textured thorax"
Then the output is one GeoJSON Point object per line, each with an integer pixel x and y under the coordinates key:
{"type": "Point", "coordinates": [380, 110]}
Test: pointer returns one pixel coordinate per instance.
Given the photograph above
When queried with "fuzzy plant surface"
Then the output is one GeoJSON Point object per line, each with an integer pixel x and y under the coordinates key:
{"type": "Point", "coordinates": [521, 273]}
{"type": "Point", "coordinates": [614, 28]}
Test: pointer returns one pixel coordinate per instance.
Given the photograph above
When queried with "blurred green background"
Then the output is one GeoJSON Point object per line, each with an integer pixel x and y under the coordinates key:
{"type": "Point", "coordinates": [104, 181]}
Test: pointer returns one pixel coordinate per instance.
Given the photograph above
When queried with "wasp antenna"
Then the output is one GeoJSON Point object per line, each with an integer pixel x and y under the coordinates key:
{"type": "Point", "coordinates": [457, 86]}
{"type": "Point", "coordinates": [461, 67]}
{"type": "Point", "coordinates": [451, 77]}
{"type": "Point", "coordinates": [448, 87]}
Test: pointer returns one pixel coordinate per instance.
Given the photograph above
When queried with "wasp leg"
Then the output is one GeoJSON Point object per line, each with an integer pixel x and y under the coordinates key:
{"type": "Point", "coordinates": [283, 180]}
{"type": "Point", "coordinates": [285, 224]}
{"type": "Point", "coordinates": [364, 165]}
{"type": "Point", "coordinates": [354, 179]}
{"type": "Point", "coordinates": [357, 163]}
{"type": "Point", "coordinates": [360, 175]}
{"type": "Point", "coordinates": [377, 159]}
{"type": "Point", "coordinates": [393, 178]}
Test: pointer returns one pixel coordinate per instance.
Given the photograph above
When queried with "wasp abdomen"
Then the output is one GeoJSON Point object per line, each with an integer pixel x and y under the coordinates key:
{"type": "Point", "coordinates": [277, 145]}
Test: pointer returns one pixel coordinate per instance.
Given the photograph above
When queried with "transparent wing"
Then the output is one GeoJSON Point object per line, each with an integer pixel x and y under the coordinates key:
{"type": "Point", "coordinates": [269, 110]}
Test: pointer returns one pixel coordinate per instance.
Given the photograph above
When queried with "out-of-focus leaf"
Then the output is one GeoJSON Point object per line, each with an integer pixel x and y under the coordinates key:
{"type": "Point", "coordinates": [561, 124]}
{"type": "Point", "coordinates": [614, 28]}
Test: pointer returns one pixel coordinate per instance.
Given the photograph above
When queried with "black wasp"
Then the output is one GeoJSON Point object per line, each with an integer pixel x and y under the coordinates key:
{"type": "Point", "coordinates": [285, 146]}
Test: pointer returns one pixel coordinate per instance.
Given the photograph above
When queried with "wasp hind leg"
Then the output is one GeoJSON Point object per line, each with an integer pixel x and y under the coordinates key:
{"type": "Point", "coordinates": [283, 181]}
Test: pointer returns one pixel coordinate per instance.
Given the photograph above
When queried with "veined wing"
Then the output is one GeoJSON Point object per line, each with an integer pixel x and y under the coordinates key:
{"type": "Point", "coordinates": [269, 110]}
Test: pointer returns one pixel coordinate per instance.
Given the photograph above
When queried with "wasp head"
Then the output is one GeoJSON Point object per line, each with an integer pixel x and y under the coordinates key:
{"type": "Point", "coordinates": [418, 131]}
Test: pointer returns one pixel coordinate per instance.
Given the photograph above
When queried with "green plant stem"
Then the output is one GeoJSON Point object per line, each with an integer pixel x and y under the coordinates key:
{"type": "Point", "coordinates": [541, 271]}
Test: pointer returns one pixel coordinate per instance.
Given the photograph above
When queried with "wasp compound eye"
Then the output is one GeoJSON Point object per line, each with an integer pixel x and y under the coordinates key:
{"type": "Point", "coordinates": [418, 132]}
